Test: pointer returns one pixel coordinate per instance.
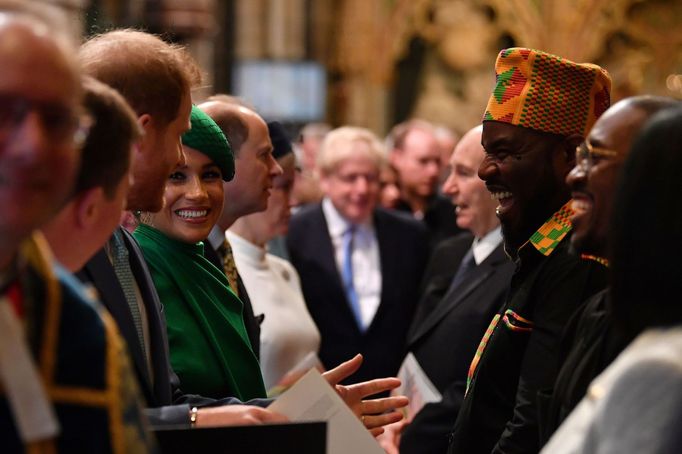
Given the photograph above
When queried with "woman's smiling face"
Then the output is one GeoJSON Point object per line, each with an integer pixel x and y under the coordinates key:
{"type": "Point", "coordinates": [193, 199]}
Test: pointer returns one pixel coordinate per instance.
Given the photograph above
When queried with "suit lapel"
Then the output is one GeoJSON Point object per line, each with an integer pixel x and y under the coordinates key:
{"type": "Point", "coordinates": [99, 271]}
{"type": "Point", "coordinates": [455, 296]}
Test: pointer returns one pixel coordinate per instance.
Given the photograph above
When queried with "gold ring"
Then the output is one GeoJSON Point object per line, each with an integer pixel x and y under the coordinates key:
{"type": "Point", "coordinates": [362, 418]}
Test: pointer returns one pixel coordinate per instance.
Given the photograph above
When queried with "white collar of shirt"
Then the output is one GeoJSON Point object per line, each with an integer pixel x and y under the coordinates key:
{"type": "Point", "coordinates": [337, 224]}
{"type": "Point", "coordinates": [216, 237]}
{"type": "Point", "coordinates": [483, 247]}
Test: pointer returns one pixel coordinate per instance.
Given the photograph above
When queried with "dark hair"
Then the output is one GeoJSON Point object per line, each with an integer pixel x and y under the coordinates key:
{"type": "Point", "coordinates": [151, 74]}
{"type": "Point", "coordinates": [105, 156]}
{"type": "Point", "coordinates": [646, 279]}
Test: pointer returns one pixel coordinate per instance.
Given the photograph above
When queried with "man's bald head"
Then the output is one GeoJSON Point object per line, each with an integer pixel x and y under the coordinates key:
{"type": "Point", "coordinates": [593, 179]}
{"type": "Point", "coordinates": [255, 167]}
{"type": "Point", "coordinates": [475, 209]}
{"type": "Point", "coordinates": [231, 118]}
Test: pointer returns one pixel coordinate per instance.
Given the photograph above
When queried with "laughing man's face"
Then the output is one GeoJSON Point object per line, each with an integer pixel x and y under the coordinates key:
{"type": "Point", "coordinates": [524, 170]}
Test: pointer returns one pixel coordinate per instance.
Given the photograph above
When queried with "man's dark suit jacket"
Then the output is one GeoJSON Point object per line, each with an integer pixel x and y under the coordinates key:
{"type": "Point", "coordinates": [446, 331]}
{"type": "Point", "coordinates": [403, 253]}
{"type": "Point", "coordinates": [168, 404]}
{"type": "Point", "coordinates": [499, 411]}
{"type": "Point", "coordinates": [439, 218]}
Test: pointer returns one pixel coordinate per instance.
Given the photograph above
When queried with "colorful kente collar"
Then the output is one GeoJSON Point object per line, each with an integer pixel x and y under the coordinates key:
{"type": "Point", "coordinates": [549, 235]}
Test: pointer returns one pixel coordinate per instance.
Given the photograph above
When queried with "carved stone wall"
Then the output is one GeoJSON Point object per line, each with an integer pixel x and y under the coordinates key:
{"type": "Point", "coordinates": [367, 45]}
{"type": "Point", "coordinates": [638, 41]}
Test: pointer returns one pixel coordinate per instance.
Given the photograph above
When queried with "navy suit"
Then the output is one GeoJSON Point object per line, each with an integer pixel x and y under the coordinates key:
{"type": "Point", "coordinates": [449, 325]}
{"type": "Point", "coordinates": [403, 250]}
{"type": "Point", "coordinates": [169, 405]}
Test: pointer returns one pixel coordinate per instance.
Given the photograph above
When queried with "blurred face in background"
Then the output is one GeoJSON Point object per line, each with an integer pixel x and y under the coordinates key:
{"type": "Point", "coordinates": [390, 191]}
{"type": "Point", "coordinates": [352, 185]}
{"type": "Point", "coordinates": [274, 221]}
{"type": "Point", "coordinates": [475, 207]}
{"type": "Point", "coordinates": [40, 114]}
{"type": "Point", "coordinates": [418, 163]}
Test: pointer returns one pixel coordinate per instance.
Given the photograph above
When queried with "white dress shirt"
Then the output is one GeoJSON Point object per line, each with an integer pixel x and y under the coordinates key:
{"type": "Point", "coordinates": [366, 261]}
{"type": "Point", "coordinates": [483, 247]}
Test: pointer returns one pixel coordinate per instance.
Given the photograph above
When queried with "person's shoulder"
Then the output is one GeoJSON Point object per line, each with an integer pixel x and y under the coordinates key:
{"type": "Point", "coordinates": [306, 213]}
{"type": "Point", "coordinates": [79, 305]}
{"type": "Point", "coordinates": [464, 239]}
{"type": "Point", "coordinates": [441, 202]}
{"type": "Point", "coordinates": [399, 219]}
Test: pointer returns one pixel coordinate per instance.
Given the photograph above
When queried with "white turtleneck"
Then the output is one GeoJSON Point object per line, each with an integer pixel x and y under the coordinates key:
{"type": "Point", "coordinates": [288, 332]}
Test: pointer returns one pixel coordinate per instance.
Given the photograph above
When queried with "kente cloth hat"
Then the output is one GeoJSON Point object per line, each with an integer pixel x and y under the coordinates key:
{"type": "Point", "coordinates": [281, 145]}
{"type": "Point", "coordinates": [207, 137]}
{"type": "Point", "coordinates": [547, 93]}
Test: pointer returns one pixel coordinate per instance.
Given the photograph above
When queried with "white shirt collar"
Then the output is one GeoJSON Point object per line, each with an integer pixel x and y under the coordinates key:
{"type": "Point", "coordinates": [216, 237]}
{"type": "Point", "coordinates": [483, 247]}
{"type": "Point", "coordinates": [336, 223]}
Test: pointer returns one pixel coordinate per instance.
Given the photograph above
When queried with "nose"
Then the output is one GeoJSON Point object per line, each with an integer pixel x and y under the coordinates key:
{"type": "Point", "coordinates": [577, 177]}
{"type": "Point", "coordinates": [450, 185]}
{"type": "Point", "coordinates": [182, 159]}
{"type": "Point", "coordinates": [275, 169]}
{"type": "Point", "coordinates": [196, 189]}
{"type": "Point", "coordinates": [488, 168]}
{"type": "Point", "coordinates": [361, 184]}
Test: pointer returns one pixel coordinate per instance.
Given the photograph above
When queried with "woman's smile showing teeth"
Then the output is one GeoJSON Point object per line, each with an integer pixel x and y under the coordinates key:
{"type": "Point", "coordinates": [192, 214]}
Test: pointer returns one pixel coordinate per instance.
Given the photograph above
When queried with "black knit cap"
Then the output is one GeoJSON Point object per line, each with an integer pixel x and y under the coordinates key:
{"type": "Point", "coordinates": [280, 140]}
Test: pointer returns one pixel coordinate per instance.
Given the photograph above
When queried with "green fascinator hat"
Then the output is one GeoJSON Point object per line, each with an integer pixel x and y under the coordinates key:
{"type": "Point", "coordinates": [205, 136]}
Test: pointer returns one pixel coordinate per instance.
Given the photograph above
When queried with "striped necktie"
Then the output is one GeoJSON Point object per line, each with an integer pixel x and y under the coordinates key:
{"type": "Point", "coordinates": [468, 263]}
{"type": "Point", "coordinates": [229, 266]}
{"type": "Point", "coordinates": [125, 277]}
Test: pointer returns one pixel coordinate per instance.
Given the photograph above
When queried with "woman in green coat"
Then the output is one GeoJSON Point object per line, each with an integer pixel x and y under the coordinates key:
{"type": "Point", "coordinates": [209, 348]}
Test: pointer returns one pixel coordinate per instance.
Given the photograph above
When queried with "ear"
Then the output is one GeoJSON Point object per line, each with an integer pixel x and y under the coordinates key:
{"type": "Point", "coordinates": [87, 206]}
{"type": "Point", "coordinates": [570, 144]}
{"type": "Point", "coordinates": [146, 122]}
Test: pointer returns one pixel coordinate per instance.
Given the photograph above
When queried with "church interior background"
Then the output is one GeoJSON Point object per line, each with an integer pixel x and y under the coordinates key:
{"type": "Point", "coordinates": [374, 63]}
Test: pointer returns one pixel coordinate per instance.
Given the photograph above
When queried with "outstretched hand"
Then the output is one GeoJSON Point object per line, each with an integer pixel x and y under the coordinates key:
{"type": "Point", "coordinates": [374, 413]}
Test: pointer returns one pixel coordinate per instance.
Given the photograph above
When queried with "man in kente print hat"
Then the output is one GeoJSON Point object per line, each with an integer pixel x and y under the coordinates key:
{"type": "Point", "coordinates": [541, 108]}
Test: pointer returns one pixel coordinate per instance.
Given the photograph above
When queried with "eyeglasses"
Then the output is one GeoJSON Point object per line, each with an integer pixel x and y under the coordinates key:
{"type": "Point", "coordinates": [586, 155]}
{"type": "Point", "coordinates": [61, 123]}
